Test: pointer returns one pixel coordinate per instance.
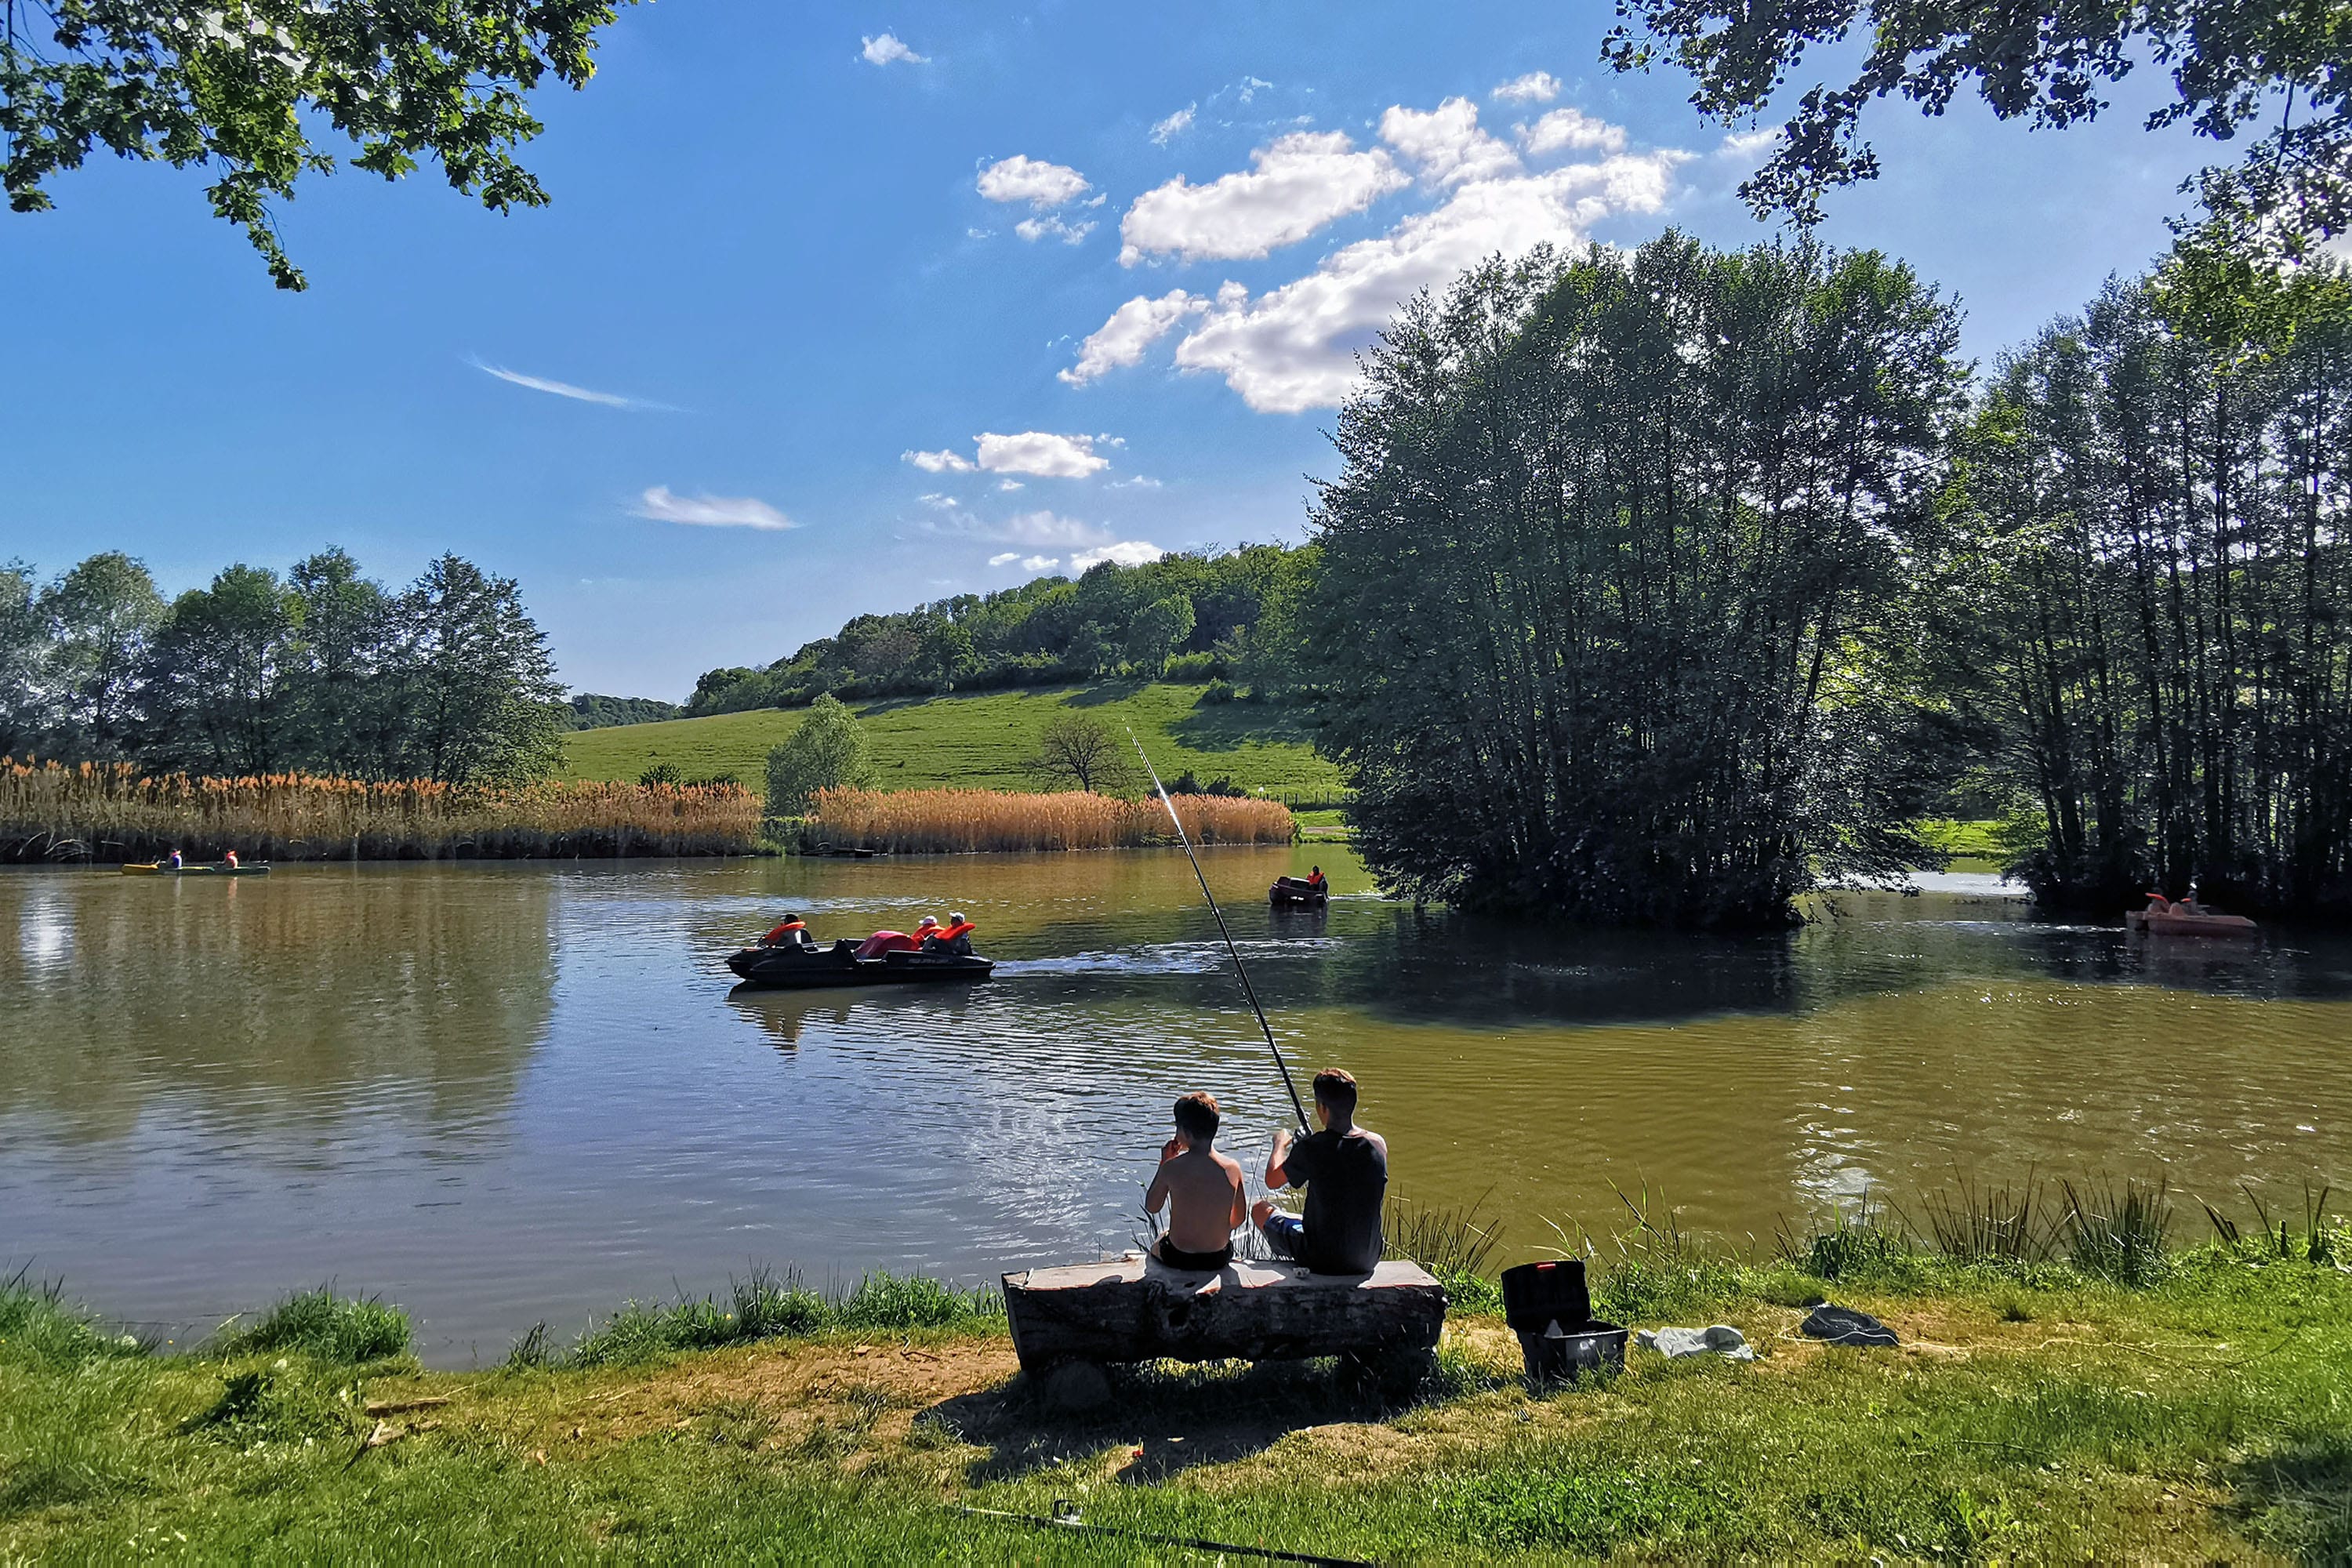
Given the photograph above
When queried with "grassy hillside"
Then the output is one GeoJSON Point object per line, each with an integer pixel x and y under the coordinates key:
{"type": "Point", "coordinates": [985, 741]}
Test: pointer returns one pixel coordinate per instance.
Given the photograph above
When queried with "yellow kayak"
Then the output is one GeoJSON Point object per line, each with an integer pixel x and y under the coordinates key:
{"type": "Point", "coordinates": [158, 869]}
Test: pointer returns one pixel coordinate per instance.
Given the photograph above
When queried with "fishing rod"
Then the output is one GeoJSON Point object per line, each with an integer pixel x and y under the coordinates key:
{"type": "Point", "coordinates": [1239, 967]}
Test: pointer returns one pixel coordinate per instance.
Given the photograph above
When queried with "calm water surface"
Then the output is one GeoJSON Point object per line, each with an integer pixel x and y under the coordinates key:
{"type": "Point", "coordinates": [501, 1093]}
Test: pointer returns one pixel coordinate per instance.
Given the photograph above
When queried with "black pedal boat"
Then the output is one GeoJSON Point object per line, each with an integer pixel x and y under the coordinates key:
{"type": "Point", "coordinates": [804, 968]}
{"type": "Point", "coordinates": [1294, 892]}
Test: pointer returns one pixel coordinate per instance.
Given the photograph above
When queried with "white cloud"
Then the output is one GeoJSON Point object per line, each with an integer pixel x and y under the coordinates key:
{"type": "Point", "coordinates": [1132, 328]}
{"type": "Point", "coordinates": [948, 462]}
{"type": "Point", "coordinates": [1049, 529]}
{"type": "Point", "coordinates": [1446, 143]}
{"type": "Point", "coordinates": [1248, 87]}
{"type": "Point", "coordinates": [1302, 181]}
{"type": "Point", "coordinates": [566, 389]}
{"type": "Point", "coordinates": [1009, 485]}
{"type": "Point", "coordinates": [1293, 348]}
{"type": "Point", "coordinates": [1135, 482]}
{"type": "Point", "coordinates": [710, 512]}
{"type": "Point", "coordinates": [1570, 128]}
{"type": "Point", "coordinates": [1034, 229]}
{"type": "Point", "coordinates": [1166, 131]}
{"type": "Point", "coordinates": [944, 503]}
{"type": "Point", "coordinates": [1007, 559]}
{"type": "Point", "coordinates": [1749, 146]}
{"type": "Point", "coordinates": [1536, 87]}
{"type": "Point", "coordinates": [1041, 563]}
{"type": "Point", "coordinates": [1126, 553]}
{"type": "Point", "coordinates": [1041, 454]}
{"type": "Point", "coordinates": [1022, 178]}
{"type": "Point", "coordinates": [881, 51]}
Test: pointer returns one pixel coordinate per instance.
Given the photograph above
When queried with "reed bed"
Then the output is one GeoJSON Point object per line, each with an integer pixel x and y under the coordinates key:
{"type": "Point", "coordinates": [113, 812]}
{"type": "Point", "coordinates": [969, 821]}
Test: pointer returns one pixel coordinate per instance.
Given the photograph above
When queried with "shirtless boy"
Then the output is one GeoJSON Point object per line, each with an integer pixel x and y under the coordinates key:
{"type": "Point", "coordinates": [1201, 1188]}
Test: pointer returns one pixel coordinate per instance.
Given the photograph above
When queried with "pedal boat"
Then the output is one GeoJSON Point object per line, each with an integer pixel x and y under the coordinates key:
{"type": "Point", "coordinates": [1291, 892]}
{"type": "Point", "coordinates": [2185, 919]}
{"type": "Point", "coordinates": [786, 968]}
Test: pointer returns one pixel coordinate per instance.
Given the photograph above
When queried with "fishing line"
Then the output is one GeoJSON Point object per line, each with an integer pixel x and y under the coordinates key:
{"type": "Point", "coordinates": [1226, 931]}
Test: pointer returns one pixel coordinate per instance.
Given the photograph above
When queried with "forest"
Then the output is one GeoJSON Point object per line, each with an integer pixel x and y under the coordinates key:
{"type": "Point", "coordinates": [323, 672]}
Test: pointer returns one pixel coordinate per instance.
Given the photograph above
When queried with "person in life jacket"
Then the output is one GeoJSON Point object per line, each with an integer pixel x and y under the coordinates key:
{"type": "Point", "coordinates": [229, 858]}
{"type": "Point", "coordinates": [791, 931]}
{"type": "Point", "coordinates": [174, 861]}
{"type": "Point", "coordinates": [1314, 880]}
{"type": "Point", "coordinates": [954, 937]}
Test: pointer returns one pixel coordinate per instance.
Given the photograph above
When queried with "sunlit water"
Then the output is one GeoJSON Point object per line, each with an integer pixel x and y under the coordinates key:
{"type": "Point", "coordinates": [503, 1093]}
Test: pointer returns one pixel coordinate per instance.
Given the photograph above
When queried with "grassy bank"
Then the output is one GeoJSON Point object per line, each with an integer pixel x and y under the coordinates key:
{"type": "Point", "coordinates": [986, 741]}
{"type": "Point", "coordinates": [957, 821]}
{"type": "Point", "coordinates": [115, 812]}
{"type": "Point", "coordinates": [2035, 1409]}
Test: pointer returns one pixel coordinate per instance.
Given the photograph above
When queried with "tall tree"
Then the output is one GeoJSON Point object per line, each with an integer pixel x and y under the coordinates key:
{"type": "Point", "coordinates": [238, 88]}
{"type": "Point", "coordinates": [349, 712]}
{"type": "Point", "coordinates": [1612, 621]}
{"type": "Point", "coordinates": [102, 614]}
{"type": "Point", "coordinates": [23, 651]}
{"type": "Point", "coordinates": [219, 692]}
{"type": "Point", "coordinates": [477, 682]}
{"type": "Point", "coordinates": [2233, 67]}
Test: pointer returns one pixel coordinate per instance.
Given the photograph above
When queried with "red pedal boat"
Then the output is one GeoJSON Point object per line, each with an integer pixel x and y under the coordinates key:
{"type": "Point", "coordinates": [2163, 917]}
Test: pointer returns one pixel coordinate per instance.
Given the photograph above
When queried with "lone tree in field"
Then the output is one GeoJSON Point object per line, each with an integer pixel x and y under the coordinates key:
{"type": "Point", "coordinates": [828, 751]}
{"type": "Point", "coordinates": [1082, 752]}
{"type": "Point", "coordinates": [237, 88]}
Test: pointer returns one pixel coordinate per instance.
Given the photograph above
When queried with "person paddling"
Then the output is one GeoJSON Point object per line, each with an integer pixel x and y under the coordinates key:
{"type": "Point", "coordinates": [1345, 1170]}
{"type": "Point", "coordinates": [1201, 1189]}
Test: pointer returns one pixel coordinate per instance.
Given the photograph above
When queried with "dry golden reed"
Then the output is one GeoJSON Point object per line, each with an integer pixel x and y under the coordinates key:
{"type": "Point", "coordinates": [956, 821]}
{"type": "Point", "coordinates": [113, 812]}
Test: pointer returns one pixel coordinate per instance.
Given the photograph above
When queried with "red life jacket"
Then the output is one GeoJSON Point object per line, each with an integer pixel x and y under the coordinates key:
{"type": "Point", "coordinates": [777, 935]}
{"type": "Point", "coordinates": [948, 933]}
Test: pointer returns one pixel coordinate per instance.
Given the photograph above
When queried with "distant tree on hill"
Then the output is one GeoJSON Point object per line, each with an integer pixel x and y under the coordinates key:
{"type": "Point", "coordinates": [1157, 631]}
{"type": "Point", "coordinates": [829, 751]}
{"type": "Point", "coordinates": [239, 90]}
{"type": "Point", "coordinates": [1081, 751]}
{"type": "Point", "coordinates": [591, 711]}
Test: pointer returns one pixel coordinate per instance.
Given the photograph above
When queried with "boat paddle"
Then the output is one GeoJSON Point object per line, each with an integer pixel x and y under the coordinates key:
{"type": "Point", "coordinates": [1241, 969]}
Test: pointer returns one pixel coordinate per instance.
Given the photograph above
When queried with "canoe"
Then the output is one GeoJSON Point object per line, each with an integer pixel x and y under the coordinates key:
{"type": "Point", "coordinates": [2203, 924]}
{"type": "Point", "coordinates": [157, 869]}
{"type": "Point", "coordinates": [1291, 893]}
{"type": "Point", "coordinates": [801, 969]}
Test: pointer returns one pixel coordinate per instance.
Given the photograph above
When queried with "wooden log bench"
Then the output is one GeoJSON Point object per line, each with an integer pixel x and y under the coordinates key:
{"type": "Point", "coordinates": [1069, 1322]}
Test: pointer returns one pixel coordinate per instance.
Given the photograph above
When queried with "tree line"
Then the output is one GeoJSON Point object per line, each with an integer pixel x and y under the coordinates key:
{"type": "Point", "coordinates": [1662, 586]}
{"type": "Point", "coordinates": [1196, 615]}
{"type": "Point", "coordinates": [322, 670]}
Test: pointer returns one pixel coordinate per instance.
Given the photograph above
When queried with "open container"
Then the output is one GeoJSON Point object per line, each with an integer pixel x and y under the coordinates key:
{"type": "Point", "coordinates": [1549, 1308]}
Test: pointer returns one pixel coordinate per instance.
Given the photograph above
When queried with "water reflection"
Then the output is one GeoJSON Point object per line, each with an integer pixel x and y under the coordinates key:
{"type": "Point", "coordinates": [503, 1094]}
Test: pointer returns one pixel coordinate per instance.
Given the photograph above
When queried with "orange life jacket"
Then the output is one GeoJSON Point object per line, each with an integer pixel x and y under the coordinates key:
{"type": "Point", "coordinates": [948, 933]}
{"type": "Point", "coordinates": [777, 935]}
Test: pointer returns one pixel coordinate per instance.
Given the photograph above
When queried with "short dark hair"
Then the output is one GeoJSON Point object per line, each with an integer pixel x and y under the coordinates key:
{"type": "Point", "coordinates": [1336, 1086]}
{"type": "Point", "coordinates": [1196, 1117]}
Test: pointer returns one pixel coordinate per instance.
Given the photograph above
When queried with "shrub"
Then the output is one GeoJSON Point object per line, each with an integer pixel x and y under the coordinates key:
{"type": "Point", "coordinates": [828, 751]}
{"type": "Point", "coordinates": [660, 774]}
{"type": "Point", "coordinates": [1216, 691]}
{"type": "Point", "coordinates": [321, 1324]}
{"type": "Point", "coordinates": [1193, 669]}
{"type": "Point", "coordinates": [2117, 1233]}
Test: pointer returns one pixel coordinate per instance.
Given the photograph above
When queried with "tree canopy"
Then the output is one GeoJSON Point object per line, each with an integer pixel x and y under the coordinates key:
{"type": "Point", "coordinates": [829, 751]}
{"type": "Point", "coordinates": [2233, 67]}
{"type": "Point", "coordinates": [237, 87]}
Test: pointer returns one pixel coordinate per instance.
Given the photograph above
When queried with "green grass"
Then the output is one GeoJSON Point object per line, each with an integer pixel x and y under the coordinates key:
{"type": "Point", "coordinates": [985, 741]}
{"type": "Point", "coordinates": [2036, 1412]}
{"type": "Point", "coordinates": [1964, 841]}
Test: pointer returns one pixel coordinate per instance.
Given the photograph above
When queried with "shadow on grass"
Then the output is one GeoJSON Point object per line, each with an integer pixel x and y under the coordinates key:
{"type": "Point", "coordinates": [1229, 726]}
{"type": "Point", "coordinates": [1102, 692]}
{"type": "Point", "coordinates": [2297, 1500]}
{"type": "Point", "coordinates": [1171, 1416]}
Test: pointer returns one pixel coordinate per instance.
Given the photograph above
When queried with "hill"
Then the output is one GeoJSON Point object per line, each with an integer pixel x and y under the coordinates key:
{"type": "Point", "coordinates": [985, 741]}
{"type": "Point", "coordinates": [591, 711]}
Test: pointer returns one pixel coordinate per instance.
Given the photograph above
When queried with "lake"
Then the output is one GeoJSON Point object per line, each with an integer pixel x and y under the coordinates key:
{"type": "Point", "coordinates": [502, 1093]}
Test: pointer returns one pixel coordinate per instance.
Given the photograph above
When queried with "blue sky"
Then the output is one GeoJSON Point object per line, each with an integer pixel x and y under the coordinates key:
{"type": "Point", "coordinates": [877, 306]}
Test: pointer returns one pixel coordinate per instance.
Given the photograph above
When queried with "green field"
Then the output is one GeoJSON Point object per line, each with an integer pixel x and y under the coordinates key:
{"type": "Point", "coordinates": [986, 741]}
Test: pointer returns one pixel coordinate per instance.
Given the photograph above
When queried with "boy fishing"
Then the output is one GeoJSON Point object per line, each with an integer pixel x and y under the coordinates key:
{"type": "Point", "coordinates": [1201, 1189]}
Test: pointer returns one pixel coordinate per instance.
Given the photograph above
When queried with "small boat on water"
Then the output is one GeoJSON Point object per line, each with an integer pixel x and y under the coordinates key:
{"type": "Point", "coordinates": [163, 868]}
{"type": "Point", "coordinates": [790, 967]}
{"type": "Point", "coordinates": [2186, 918]}
{"type": "Point", "coordinates": [1297, 892]}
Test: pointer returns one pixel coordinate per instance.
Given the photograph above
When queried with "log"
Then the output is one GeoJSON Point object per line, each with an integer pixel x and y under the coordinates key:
{"type": "Point", "coordinates": [1137, 1309]}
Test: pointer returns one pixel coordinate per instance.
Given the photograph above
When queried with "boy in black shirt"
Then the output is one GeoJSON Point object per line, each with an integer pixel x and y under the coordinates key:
{"type": "Point", "coordinates": [1345, 1170]}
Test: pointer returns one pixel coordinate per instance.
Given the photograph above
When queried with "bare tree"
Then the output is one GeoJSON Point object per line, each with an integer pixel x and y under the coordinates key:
{"type": "Point", "coordinates": [1083, 752]}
